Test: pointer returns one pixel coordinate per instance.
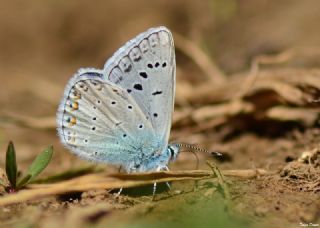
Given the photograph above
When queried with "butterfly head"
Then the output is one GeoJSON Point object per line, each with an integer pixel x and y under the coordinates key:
{"type": "Point", "coordinates": [173, 150]}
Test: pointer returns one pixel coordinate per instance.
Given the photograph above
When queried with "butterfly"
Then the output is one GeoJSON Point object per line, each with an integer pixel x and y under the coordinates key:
{"type": "Point", "coordinates": [121, 115]}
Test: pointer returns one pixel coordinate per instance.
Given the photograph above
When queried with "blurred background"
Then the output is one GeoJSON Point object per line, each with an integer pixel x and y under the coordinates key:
{"type": "Point", "coordinates": [43, 43]}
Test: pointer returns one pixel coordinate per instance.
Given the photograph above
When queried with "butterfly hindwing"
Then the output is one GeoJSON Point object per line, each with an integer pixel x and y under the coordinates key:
{"type": "Point", "coordinates": [100, 121]}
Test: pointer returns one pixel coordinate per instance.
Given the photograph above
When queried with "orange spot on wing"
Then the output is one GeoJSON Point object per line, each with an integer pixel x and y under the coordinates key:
{"type": "Point", "coordinates": [75, 106]}
{"type": "Point", "coordinates": [73, 121]}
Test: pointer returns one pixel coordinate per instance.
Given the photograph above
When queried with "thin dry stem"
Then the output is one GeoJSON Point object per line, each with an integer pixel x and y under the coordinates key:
{"type": "Point", "coordinates": [190, 49]}
{"type": "Point", "coordinates": [111, 181]}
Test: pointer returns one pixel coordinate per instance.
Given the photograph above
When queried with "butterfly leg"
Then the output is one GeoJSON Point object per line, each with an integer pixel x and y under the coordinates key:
{"type": "Point", "coordinates": [119, 192]}
{"type": "Point", "coordinates": [167, 183]}
{"type": "Point", "coordinates": [154, 189]}
{"type": "Point", "coordinates": [155, 184]}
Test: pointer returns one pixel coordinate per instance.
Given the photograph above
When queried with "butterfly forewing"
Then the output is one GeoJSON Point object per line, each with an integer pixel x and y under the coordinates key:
{"type": "Point", "coordinates": [145, 68]}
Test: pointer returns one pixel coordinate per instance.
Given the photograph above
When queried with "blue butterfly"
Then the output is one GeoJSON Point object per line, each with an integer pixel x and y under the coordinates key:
{"type": "Point", "coordinates": [122, 114]}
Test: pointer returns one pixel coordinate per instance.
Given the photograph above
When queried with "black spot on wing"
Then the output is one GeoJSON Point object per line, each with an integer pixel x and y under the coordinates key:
{"type": "Point", "coordinates": [143, 74]}
{"type": "Point", "coordinates": [138, 87]}
{"type": "Point", "coordinates": [156, 93]}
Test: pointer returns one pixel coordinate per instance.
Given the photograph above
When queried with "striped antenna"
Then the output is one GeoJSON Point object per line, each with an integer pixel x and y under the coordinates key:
{"type": "Point", "coordinates": [197, 149]}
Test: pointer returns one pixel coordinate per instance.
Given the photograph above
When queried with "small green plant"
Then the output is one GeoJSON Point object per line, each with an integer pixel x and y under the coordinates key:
{"type": "Point", "coordinates": [37, 166]}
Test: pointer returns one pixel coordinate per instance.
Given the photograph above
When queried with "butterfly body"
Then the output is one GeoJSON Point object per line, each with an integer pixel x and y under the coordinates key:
{"type": "Point", "coordinates": [122, 114]}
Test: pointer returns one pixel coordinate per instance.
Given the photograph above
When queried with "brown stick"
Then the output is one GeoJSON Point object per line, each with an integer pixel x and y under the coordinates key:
{"type": "Point", "coordinates": [111, 181]}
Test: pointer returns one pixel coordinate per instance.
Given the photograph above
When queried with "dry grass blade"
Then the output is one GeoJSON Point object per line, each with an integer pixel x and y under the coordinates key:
{"type": "Point", "coordinates": [30, 122]}
{"type": "Point", "coordinates": [212, 71]}
{"type": "Point", "coordinates": [111, 181]}
{"type": "Point", "coordinates": [282, 113]}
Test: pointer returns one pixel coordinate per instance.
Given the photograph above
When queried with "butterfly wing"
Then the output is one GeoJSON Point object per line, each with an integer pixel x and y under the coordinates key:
{"type": "Point", "coordinates": [145, 68]}
{"type": "Point", "coordinates": [100, 121]}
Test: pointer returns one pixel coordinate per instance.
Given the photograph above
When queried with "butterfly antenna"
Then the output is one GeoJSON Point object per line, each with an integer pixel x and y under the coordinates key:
{"type": "Point", "coordinates": [194, 149]}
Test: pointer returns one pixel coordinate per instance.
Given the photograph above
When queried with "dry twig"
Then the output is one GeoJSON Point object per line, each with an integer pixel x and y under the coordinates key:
{"type": "Point", "coordinates": [212, 71]}
{"type": "Point", "coordinates": [111, 181]}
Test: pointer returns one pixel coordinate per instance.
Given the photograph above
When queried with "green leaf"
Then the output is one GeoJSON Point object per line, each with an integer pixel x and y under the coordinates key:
{"type": "Point", "coordinates": [40, 162]}
{"type": "Point", "coordinates": [24, 181]}
{"type": "Point", "coordinates": [11, 165]}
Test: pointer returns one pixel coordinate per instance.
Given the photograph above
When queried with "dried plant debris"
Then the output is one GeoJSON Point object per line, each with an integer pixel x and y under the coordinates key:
{"type": "Point", "coordinates": [311, 157]}
{"type": "Point", "coordinates": [303, 174]}
{"type": "Point", "coordinates": [277, 97]}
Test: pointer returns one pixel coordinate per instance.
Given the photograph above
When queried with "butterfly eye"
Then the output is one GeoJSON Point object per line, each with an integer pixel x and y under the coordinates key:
{"type": "Point", "coordinates": [171, 152]}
